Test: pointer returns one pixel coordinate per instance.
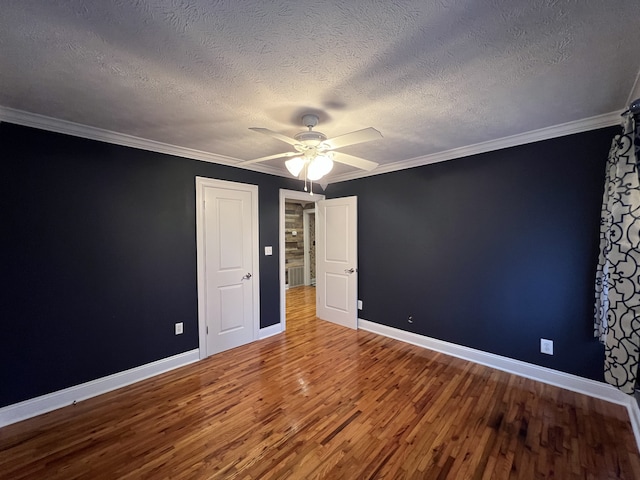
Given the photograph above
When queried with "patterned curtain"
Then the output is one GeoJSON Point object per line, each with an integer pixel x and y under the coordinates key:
{"type": "Point", "coordinates": [617, 308]}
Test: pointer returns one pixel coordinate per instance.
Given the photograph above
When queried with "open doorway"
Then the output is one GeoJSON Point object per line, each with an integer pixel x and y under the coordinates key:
{"type": "Point", "coordinates": [299, 243]}
{"type": "Point", "coordinates": [297, 248]}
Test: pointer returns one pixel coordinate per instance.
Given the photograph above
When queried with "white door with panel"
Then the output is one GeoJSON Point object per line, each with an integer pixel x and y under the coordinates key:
{"type": "Point", "coordinates": [336, 261]}
{"type": "Point", "coordinates": [227, 263]}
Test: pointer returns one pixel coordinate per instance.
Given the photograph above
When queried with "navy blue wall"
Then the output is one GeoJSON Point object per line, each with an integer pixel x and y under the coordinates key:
{"type": "Point", "coordinates": [492, 251]}
{"type": "Point", "coordinates": [99, 258]}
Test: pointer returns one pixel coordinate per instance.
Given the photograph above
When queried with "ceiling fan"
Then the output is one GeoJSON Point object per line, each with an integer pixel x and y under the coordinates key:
{"type": "Point", "coordinates": [315, 153]}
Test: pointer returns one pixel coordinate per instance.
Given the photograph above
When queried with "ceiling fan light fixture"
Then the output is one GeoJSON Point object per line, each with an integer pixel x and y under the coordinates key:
{"type": "Point", "coordinates": [295, 165]}
{"type": "Point", "coordinates": [319, 167]}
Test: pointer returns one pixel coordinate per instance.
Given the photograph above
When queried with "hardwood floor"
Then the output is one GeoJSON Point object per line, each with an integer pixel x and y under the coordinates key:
{"type": "Point", "coordinates": [323, 401]}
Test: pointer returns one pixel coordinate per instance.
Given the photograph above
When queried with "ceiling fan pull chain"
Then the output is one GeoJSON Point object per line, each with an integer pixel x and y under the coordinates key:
{"type": "Point", "coordinates": [305, 176]}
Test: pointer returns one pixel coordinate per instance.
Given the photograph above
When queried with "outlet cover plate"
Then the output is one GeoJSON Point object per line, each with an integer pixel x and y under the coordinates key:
{"type": "Point", "coordinates": [546, 346]}
{"type": "Point", "coordinates": [179, 328]}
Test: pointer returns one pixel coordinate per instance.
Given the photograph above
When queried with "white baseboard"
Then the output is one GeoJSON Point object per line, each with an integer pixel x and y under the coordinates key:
{"type": "Point", "coordinates": [270, 331]}
{"type": "Point", "coordinates": [46, 403]}
{"type": "Point", "coordinates": [546, 375]}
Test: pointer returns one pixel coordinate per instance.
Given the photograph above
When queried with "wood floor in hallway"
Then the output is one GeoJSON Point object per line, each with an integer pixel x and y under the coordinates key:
{"type": "Point", "coordinates": [324, 402]}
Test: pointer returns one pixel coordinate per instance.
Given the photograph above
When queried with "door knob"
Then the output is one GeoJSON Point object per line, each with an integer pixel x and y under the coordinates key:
{"type": "Point", "coordinates": [349, 270]}
{"type": "Point", "coordinates": [247, 276]}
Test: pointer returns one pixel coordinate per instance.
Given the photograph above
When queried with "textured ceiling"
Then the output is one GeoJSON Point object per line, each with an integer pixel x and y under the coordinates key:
{"type": "Point", "coordinates": [432, 76]}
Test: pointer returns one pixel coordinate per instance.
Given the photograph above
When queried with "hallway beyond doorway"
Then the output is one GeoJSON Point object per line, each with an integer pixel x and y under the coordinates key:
{"type": "Point", "coordinates": [301, 305]}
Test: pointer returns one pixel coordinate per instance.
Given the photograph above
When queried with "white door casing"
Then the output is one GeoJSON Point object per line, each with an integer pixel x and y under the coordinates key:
{"type": "Point", "coordinates": [308, 244]}
{"type": "Point", "coordinates": [228, 274]}
{"type": "Point", "coordinates": [336, 264]}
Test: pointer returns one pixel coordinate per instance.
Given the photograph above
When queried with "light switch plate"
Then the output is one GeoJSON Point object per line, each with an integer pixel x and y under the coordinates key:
{"type": "Point", "coordinates": [179, 328]}
{"type": "Point", "coordinates": [268, 250]}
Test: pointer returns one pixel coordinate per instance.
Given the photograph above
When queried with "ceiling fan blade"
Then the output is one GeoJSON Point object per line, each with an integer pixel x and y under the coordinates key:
{"type": "Point", "coordinates": [354, 161]}
{"type": "Point", "coordinates": [269, 157]}
{"type": "Point", "coordinates": [359, 136]}
{"type": "Point", "coordinates": [276, 135]}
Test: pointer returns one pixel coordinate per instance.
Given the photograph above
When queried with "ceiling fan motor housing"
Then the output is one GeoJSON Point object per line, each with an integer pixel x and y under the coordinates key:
{"type": "Point", "coordinates": [311, 138]}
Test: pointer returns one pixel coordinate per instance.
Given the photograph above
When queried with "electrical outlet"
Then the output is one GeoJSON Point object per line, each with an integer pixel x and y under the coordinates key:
{"type": "Point", "coordinates": [359, 304]}
{"type": "Point", "coordinates": [179, 328]}
{"type": "Point", "coordinates": [546, 346]}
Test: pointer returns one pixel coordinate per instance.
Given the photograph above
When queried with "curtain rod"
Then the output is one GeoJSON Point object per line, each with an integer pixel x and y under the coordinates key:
{"type": "Point", "coordinates": [634, 107]}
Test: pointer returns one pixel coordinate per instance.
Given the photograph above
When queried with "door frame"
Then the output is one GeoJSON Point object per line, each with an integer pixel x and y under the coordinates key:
{"type": "Point", "coordinates": [201, 184]}
{"type": "Point", "coordinates": [284, 196]}
{"type": "Point", "coordinates": [307, 245]}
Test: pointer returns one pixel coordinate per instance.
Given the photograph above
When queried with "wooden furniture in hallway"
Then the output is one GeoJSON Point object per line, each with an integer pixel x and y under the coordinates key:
{"type": "Point", "coordinates": [322, 401]}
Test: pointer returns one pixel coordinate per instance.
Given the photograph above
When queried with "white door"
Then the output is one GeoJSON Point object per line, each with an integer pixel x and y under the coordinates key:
{"type": "Point", "coordinates": [227, 265]}
{"type": "Point", "coordinates": [336, 261]}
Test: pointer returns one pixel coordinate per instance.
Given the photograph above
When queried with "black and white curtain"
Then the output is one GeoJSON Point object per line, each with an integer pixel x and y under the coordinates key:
{"type": "Point", "coordinates": [617, 309]}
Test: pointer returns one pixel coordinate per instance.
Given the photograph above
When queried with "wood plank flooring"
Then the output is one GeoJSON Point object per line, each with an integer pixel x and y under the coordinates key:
{"type": "Point", "coordinates": [324, 402]}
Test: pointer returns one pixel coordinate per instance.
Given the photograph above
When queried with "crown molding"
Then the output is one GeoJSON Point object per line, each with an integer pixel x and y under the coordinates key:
{"type": "Point", "coordinates": [56, 125]}
{"type": "Point", "coordinates": [569, 128]}
{"type": "Point", "coordinates": [51, 124]}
